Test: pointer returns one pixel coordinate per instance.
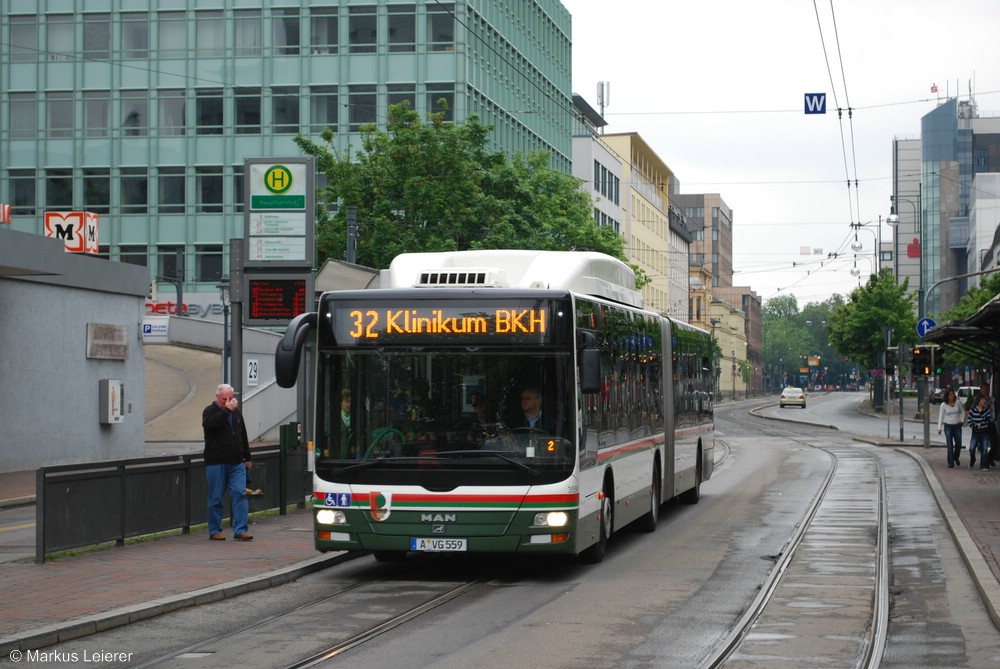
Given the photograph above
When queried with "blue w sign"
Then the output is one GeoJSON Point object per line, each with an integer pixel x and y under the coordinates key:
{"type": "Point", "coordinates": [815, 103]}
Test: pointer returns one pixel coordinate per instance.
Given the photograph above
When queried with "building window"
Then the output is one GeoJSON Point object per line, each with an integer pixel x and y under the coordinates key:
{"type": "Point", "coordinates": [248, 32]}
{"type": "Point", "coordinates": [171, 120]}
{"type": "Point", "coordinates": [23, 116]}
{"type": "Point", "coordinates": [23, 188]}
{"type": "Point", "coordinates": [285, 28]}
{"type": "Point", "coordinates": [441, 28]}
{"type": "Point", "coordinates": [441, 99]}
{"type": "Point", "coordinates": [135, 113]}
{"type": "Point", "coordinates": [597, 177]}
{"type": "Point", "coordinates": [285, 110]}
{"type": "Point", "coordinates": [362, 106]}
{"type": "Point", "coordinates": [59, 189]}
{"type": "Point", "coordinates": [210, 34]}
{"type": "Point", "coordinates": [23, 39]}
{"type": "Point", "coordinates": [402, 28]}
{"type": "Point", "coordinates": [96, 113]}
{"type": "Point", "coordinates": [363, 30]}
{"type": "Point", "coordinates": [135, 35]}
{"type": "Point", "coordinates": [60, 114]}
{"type": "Point", "coordinates": [247, 111]}
{"type": "Point", "coordinates": [400, 93]}
{"type": "Point", "coordinates": [135, 191]}
{"type": "Point", "coordinates": [97, 190]}
{"type": "Point", "coordinates": [171, 186]}
{"type": "Point", "coordinates": [323, 108]}
{"type": "Point", "coordinates": [170, 261]}
{"type": "Point", "coordinates": [133, 255]}
{"type": "Point", "coordinates": [238, 187]}
{"type": "Point", "coordinates": [96, 36]}
{"type": "Point", "coordinates": [59, 37]}
{"type": "Point", "coordinates": [208, 189]}
{"type": "Point", "coordinates": [208, 111]}
{"type": "Point", "coordinates": [323, 30]}
{"type": "Point", "coordinates": [208, 262]}
{"type": "Point", "coordinates": [172, 34]}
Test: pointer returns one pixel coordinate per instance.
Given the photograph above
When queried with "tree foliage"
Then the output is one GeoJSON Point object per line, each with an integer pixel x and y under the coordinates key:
{"type": "Point", "coordinates": [792, 337]}
{"type": "Point", "coordinates": [856, 325]}
{"type": "Point", "coordinates": [434, 186]}
{"type": "Point", "coordinates": [969, 304]}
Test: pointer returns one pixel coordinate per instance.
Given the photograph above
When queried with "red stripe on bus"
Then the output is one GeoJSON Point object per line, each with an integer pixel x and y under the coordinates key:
{"type": "Point", "coordinates": [625, 449]}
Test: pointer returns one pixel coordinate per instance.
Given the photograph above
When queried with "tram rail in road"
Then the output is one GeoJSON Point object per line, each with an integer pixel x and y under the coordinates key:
{"type": "Point", "coordinates": [834, 567]}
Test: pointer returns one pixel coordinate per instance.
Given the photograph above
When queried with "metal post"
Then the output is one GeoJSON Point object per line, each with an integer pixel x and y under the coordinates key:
{"type": "Point", "coordinates": [225, 343]}
{"type": "Point", "coordinates": [887, 332]}
{"type": "Point", "coordinates": [236, 299]}
{"type": "Point", "coordinates": [352, 233]}
{"type": "Point", "coordinates": [927, 414]}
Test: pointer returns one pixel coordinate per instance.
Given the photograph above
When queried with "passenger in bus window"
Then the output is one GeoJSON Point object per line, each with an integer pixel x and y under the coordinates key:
{"type": "Point", "coordinates": [531, 412]}
{"type": "Point", "coordinates": [481, 428]}
{"type": "Point", "coordinates": [348, 447]}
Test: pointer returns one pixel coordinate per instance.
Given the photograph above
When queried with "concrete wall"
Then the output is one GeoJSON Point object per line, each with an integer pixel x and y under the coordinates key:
{"type": "Point", "coordinates": [49, 396]}
{"type": "Point", "coordinates": [265, 407]}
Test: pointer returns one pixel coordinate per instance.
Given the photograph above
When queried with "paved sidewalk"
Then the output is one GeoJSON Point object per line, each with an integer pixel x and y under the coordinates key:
{"type": "Point", "coordinates": [70, 597]}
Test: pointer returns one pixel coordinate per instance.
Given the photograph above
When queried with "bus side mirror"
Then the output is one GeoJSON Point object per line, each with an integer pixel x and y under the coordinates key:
{"type": "Point", "coordinates": [590, 371]}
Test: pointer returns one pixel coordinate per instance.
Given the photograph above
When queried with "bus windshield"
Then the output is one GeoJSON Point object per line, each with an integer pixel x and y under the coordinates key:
{"type": "Point", "coordinates": [448, 415]}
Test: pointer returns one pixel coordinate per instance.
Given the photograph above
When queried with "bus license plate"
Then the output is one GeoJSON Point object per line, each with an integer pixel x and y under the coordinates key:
{"type": "Point", "coordinates": [437, 545]}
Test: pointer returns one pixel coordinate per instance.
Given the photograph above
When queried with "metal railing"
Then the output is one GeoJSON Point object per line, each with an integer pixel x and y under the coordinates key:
{"type": "Point", "coordinates": [94, 503]}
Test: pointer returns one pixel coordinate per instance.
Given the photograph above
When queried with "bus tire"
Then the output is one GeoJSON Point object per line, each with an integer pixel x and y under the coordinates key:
{"type": "Point", "coordinates": [692, 495]}
{"type": "Point", "coordinates": [389, 556]}
{"type": "Point", "coordinates": [605, 527]}
{"type": "Point", "coordinates": [647, 523]}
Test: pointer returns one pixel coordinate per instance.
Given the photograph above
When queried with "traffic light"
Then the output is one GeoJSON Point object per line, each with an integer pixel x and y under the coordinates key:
{"type": "Point", "coordinates": [921, 361]}
{"type": "Point", "coordinates": [890, 361]}
{"type": "Point", "coordinates": [938, 365]}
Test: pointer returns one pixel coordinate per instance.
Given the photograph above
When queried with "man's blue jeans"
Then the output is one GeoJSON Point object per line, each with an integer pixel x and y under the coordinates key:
{"type": "Point", "coordinates": [218, 477]}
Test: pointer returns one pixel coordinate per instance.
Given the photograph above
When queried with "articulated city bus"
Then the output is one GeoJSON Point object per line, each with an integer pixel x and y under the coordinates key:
{"type": "Point", "coordinates": [500, 401]}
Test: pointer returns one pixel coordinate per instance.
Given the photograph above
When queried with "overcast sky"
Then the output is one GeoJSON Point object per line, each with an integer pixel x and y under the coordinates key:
{"type": "Point", "coordinates": [716, 88]}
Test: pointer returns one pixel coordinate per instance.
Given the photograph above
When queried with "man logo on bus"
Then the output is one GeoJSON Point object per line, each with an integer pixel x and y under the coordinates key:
{"type": "Point", "coordinates": [380, 503]}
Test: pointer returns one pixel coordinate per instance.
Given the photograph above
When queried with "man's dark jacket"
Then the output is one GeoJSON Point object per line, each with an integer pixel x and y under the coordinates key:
{"type": "Point", "coordinates": [225, 444]}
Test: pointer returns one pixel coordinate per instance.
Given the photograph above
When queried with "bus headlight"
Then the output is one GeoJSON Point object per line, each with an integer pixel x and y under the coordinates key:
{"type": "Point", "coordinates": [331, 517]}
{"type": "Point", "coordinates": [552, 519]}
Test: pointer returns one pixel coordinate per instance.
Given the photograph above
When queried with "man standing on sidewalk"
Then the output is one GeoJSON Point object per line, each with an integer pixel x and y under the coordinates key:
{"type": "Point", "coordinates": [227, 461]}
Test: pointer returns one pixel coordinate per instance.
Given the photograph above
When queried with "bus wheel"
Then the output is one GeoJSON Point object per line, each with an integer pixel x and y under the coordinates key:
{"type": "Point", "coordinates": [389, 556]}
{"type": "Point", "coordinates": [648, 522]}
{"type": "Point", "coordinates": [605, 526]}
{"type": "Point", "coordinates": [692, 495]}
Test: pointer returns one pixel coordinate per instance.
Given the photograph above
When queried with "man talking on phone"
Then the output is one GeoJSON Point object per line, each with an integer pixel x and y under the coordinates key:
{"type": "Point", "coordinates": [227, 461]}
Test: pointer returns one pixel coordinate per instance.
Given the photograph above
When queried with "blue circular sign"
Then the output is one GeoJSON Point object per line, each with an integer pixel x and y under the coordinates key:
{"type": "Point", "coordinates": [924, 326]}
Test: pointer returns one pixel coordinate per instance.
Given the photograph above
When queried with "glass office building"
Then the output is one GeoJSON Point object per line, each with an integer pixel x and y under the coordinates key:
{"type": "Point", "coordinates": [144, 111]}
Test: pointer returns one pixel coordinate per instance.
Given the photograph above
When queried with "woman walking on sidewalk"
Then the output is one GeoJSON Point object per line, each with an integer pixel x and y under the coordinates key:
{"type": "Point", "coordinates": [979, 421]}
{"type": "Point", "coordinates": [951, 416]}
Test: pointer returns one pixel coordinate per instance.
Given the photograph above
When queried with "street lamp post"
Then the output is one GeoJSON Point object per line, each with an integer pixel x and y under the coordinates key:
{"type": "Point", "coordinates": [734, 374]}
{"type": "Point", "coordinates": [223, 287]}
{"type": "Point", "coordinates": [893, 220]}
{"type": "Point", "coordinates": [857, 246]}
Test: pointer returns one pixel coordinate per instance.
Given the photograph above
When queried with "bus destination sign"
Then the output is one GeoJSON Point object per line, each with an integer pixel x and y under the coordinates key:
{"type": "Point", "coordinates": [373, 323]}
{"type": "Point", "coordinates": [425, 322]}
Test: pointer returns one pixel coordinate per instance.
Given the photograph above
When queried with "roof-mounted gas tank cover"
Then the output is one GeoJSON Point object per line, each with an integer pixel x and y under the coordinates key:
{"type": "Point", "coordinates": [583, 272]}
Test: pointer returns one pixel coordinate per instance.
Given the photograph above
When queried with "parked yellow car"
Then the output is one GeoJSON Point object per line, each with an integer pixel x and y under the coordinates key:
{"type": "Point", "coordinates": [792, 397]}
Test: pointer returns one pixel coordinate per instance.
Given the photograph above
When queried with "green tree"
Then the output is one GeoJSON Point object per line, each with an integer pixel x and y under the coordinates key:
{"type": "Point", "coordinates": [969, 304]}
{"type": "Point", "coordinates": [435, 186]}
{"type": "Point", "coordinates": [856, 325]}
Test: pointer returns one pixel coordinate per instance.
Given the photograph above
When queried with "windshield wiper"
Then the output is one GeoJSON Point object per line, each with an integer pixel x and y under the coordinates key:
{"type": "Point", "coordinates": [497, 454]}
{"type": "Point", "coordinates": [365, 464]}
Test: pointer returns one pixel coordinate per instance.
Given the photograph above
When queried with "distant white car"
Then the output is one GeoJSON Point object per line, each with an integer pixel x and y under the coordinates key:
{"type": "Point", "coordinates": [792, 397]}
